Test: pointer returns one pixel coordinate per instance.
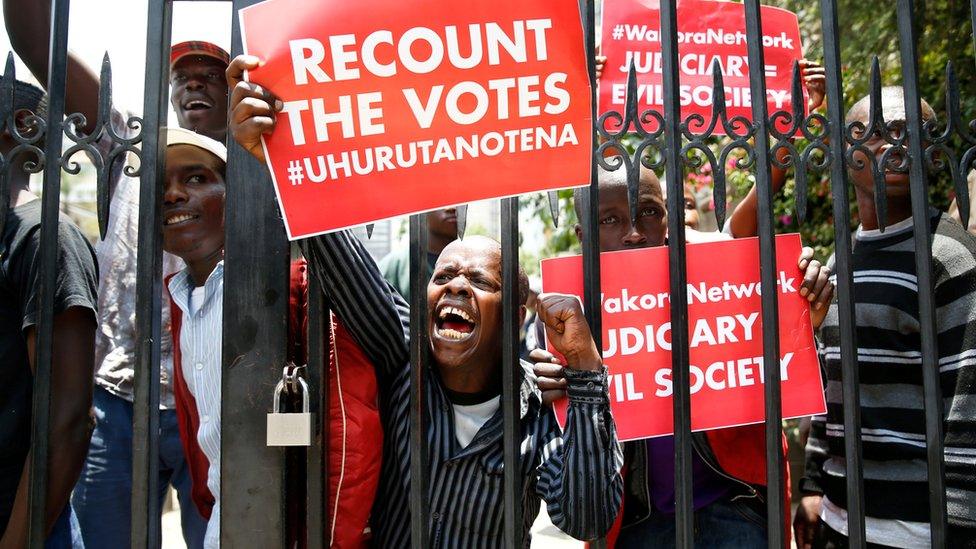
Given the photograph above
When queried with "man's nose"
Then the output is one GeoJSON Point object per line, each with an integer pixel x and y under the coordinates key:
{"type": "Point", "coordinates": [195, 82]}
{"type": "Point", "coordinates": [174, 193]}
{"type": "Point", "coordinates": [634, 238]}
{"type": "Point", "coordinates": [459, 285]}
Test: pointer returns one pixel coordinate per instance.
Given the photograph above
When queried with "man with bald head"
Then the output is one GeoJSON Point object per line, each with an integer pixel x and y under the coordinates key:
{"type": "Point", "coordinates": [890, 365]}
{"type": "Point", "coordinates": [576, 470]}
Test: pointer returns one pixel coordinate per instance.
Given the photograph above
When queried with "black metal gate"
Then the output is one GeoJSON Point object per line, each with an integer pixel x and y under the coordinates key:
{"type": "Point", "coordinates": [257, 253]}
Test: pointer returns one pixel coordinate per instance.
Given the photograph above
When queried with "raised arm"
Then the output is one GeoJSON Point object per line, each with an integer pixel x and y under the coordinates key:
{"type": "Point", "coordinates": [377, 317]}
{"type": "Point", "coordinates": [579, 477]}
{"type": "Point", "coordinates": [29, 27]}
{"type": "Point", "coordinates": [743, 221]}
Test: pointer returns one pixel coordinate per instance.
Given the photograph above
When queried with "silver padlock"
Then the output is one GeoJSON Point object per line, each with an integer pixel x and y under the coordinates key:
{"type": "Point", "coordinates": [290, 429]}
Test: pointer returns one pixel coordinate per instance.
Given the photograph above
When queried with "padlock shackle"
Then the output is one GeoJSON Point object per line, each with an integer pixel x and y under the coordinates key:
{"type": "Point", "coordinates": [280, 387]}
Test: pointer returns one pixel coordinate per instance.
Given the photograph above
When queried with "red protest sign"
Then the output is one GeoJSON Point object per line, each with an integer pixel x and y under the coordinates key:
{"type": "Point", "coordinates": [707, 31]}
{"type": "Point", "coordinates": [725, 335]}
{"type": "Point", "coordinates": [396, 107]}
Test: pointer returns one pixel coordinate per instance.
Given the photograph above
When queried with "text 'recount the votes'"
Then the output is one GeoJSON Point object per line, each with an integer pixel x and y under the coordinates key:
{"type": "Point", "coordinates": [418, 51]}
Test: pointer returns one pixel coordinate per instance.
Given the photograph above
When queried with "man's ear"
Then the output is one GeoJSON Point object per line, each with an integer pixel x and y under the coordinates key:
{"type": "Point", "coordinates": [522, 310]}
{"type": "Point", "coordinates": [579, 232]}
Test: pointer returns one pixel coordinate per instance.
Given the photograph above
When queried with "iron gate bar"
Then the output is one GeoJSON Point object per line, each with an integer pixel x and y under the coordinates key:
{"type": "Point", "coordinates": [50, 212]}
{"type": "Point", "coordinates": [145, 417]}
{"type": "Point", "coordinates": [939, 154]}
{"type": "Point", "coordinates": [843, 269]}
{"type": "Point", "coordinates": [317, 483]}
{"type": "Point", "coordinates": [511, 374]}
{"type": "Point", "coordinates": [767, 269]}
{"type": "Point", "coordinates": [923, 264]}
{"type": "Point", "coordinates": [255, 340]}
{"type": "Point", "coordinates": [7, 122]}
{"type": "Point", "coordinates": [590, 223]}
{"type": "Point", "coordinates": [590, 242]}
{"type": "Point", "coordinates": [419, 361]}
{"type": "Point", "coordinates": [683, 500]}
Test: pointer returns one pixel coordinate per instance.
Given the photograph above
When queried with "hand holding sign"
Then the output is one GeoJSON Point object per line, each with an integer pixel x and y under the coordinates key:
{"type": "Point", "coordinates": [253, 109]}
{"type": "Point", "coordinates": [568, 332]}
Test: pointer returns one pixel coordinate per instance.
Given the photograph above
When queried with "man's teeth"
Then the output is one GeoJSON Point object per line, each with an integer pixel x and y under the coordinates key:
{"type": "Point", "coordinates": [178, 219]}
{"type": "Point", "coordinates": [448, 333]}
{"type": "Point", "coordinates": [455, 311]}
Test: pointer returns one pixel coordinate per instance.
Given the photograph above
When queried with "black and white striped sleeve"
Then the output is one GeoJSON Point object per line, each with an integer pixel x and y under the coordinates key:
{"type": "Point", "coordinates": [579, 477]}
{"type": "Point", "coordinates": [376, 315]}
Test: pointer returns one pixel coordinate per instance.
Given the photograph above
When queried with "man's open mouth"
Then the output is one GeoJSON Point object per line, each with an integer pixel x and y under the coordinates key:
{"type": "Point", "coordinates": [176, 219]}
{"type": "Point", "coordinates": [197, 105]}
{"type": "Point", "coordinates": [453, 323]}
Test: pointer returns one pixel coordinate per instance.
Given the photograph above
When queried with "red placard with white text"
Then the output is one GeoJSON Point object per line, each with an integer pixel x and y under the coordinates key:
{"type": "Point", "coordinates": [394, 107]}
{"type": "Point", "coordinates": [725, 335]}
{"type": "Point", "coordinates": [706, 31]}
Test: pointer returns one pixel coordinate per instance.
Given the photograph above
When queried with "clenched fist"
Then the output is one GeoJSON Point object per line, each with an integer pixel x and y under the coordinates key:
{"type": "Point", "coordinates": [567, 330]}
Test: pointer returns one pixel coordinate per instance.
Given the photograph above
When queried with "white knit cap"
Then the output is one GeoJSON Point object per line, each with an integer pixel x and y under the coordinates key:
{"type": "Point", "coordinates": [180, 136]}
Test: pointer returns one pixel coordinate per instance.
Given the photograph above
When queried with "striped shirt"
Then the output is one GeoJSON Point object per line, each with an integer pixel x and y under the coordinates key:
{"type": "Point", "coordinates": [200, 352]}
{"type": "Point", "coordinates": [577, 472]}
{"type": "Point", "coordinates": [890, 367]}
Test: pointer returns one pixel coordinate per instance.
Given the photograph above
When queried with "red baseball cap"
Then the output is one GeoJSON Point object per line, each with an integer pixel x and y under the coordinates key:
{"type": "Point", "coordinates": [198, 47]}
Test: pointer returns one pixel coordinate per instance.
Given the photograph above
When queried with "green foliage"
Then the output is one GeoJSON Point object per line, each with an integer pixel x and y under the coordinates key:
{"type": "Point", "coordinates": [559, 239]}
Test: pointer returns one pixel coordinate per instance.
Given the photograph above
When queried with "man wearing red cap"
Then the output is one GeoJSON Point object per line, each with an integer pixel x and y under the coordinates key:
{"type": "Point", "coordinates": [198, 90]}
{"type": "Point", "coordinates": [101, 499]}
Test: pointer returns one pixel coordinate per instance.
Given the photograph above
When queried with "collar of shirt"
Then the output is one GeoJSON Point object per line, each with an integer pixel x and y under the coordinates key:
{"type": "Point", "coordinates": [181, 285]}
{"type": "Point", "coordinates": [530, 400]}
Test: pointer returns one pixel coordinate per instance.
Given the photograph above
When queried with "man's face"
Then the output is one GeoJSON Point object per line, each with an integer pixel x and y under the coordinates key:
{"type": "Point", "coordinates": [616, 230]}
{"type": "Point", "coordinates": [896, 180]}
{"type": "Point", "coordinates": [443, 223]}
{"type": "Point", "coordinates": [199, 95]}
{"type": "Point", "coordinates": [464, 298]}
{"type": "Point", "coordinates": [691, 209]}
{"type": "Point", "coordinates": [193, 203]}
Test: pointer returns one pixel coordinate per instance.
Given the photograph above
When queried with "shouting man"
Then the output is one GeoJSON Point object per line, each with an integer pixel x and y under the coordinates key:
{"type": "Point", "coordinates": [575, 471]}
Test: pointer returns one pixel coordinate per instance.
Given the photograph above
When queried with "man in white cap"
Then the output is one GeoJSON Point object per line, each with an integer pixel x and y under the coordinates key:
{"type": "Point", "coordinates": [193, 230]}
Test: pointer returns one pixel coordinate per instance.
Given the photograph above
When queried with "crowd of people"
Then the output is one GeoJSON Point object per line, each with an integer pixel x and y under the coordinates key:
{"type": "Point", "coordinates": [590, 485]}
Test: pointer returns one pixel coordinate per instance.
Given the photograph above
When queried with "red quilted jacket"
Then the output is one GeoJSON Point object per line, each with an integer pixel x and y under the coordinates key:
{"type": "Point", "coordinates": [355, 432]}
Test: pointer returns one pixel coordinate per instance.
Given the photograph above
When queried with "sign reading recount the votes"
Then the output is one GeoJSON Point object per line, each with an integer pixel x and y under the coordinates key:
{"type": "Point", "coordinates": [725, 335]}
{"type": "Point", "coordinates": [707, 32]}
{"type": "Point", "coordinates": [401, 106]}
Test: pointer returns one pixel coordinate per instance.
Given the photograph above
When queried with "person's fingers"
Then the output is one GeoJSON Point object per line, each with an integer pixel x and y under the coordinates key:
{"type": "Point", "coordinates": [541, 355]}
{"type": "Point", "coordinates": [237, 67]}
{"type": "Point", "coordinates": [549, 384]}
{"type": "Point", "coordinates": [810, 277]}
{"type": "Point", "coordinates": [243, 90]}
{"type": "Point", "coordinates": [547, 370]}
{"type": "Point", "coordinates": [258, 125]}
{"type": "Point", "coordinates": [548, 397]}
{"type": "Point", "coordinates": [824, 290]}
{"type": "Point", "coordinates": [806, 254]}
{"type": "Point", "coordinates": [548, 309]}
{"type": "Point", "coordinates": [250, 107]}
